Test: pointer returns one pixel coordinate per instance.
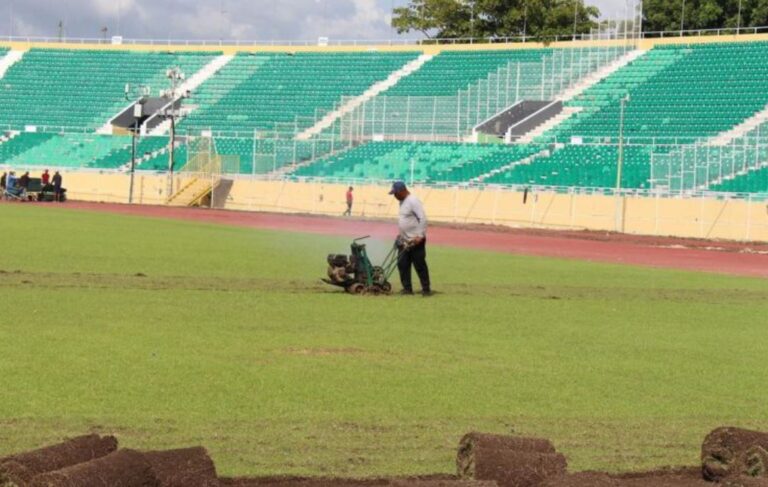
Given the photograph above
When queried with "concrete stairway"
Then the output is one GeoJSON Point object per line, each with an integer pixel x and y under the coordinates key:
{"type": "Point", "coordinates": [194, 191]}
{"type": "Point", "coordinates": [553, 122]}
{"type": "Point", "coordinates": [742, 129]}
{"type": "Point", "coordinates": [598, 75]}
{"type": "Point", "coordinates": [371, 92]}
{"type": "Point", "coordinates": [527, 160]}
{"type": "Point", "coordinates": [11, 58]}
{"type": "Point", "coordinates": [191, 84]}
{"type": "Point", "coordinates": [577, 89]}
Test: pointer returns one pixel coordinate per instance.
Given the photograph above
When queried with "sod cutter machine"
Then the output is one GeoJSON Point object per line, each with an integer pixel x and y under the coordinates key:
{"type": "Point", "coordinates": [357, 275]}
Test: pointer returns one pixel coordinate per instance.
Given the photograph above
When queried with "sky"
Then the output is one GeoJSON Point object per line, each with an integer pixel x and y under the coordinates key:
{"type": "Point", "coordinates": [213, 19]}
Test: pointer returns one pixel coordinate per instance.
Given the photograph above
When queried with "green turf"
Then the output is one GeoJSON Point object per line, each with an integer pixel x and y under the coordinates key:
{"type": "Point", "coordinates": [171, 333]}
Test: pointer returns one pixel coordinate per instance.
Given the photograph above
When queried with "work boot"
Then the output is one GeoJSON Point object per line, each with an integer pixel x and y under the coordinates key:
{"type": "Point", "coordinates": [427, 293]}
{"type": "Point", "coordinates": [406, 292]}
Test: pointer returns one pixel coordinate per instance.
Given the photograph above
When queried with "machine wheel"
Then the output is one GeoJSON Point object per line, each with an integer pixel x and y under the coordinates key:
{"type": "Point", "coordinates": [374, 290]}
{"type": "Point", "coordinates": [356, 288]}
{"type": "Point", "coordinates": [386, 288]}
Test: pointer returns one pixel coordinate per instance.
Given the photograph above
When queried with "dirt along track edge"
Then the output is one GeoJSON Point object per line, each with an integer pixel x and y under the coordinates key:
{"type": "Point", "coordinates": [662, 252]}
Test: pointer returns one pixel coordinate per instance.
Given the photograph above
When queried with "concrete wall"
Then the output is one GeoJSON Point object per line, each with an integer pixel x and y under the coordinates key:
{"type": "Point", "coordinates": [697, 217]}
{"type": "Point", "coordinates": [429, 49]}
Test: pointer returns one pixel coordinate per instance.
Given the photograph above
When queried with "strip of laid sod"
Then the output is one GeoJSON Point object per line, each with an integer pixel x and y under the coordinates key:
{"type": "Point", "coordinates": [169, 334]}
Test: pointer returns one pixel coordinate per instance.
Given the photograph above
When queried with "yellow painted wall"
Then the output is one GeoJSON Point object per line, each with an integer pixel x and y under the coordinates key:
{"type": "Point", "coordinates": [696, 218]}
{"type": "Point", "coordinates": [429, 49]}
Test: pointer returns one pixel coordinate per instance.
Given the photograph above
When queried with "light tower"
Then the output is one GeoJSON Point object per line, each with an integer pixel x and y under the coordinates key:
{"type": "Point", "coordinates": [176, 77]}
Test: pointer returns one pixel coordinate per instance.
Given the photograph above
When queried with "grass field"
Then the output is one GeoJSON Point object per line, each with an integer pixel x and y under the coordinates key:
{"type": "Point", "coordinates": [169, 333]}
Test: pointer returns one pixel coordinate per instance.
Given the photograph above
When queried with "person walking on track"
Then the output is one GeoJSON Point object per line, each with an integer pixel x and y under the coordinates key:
{"type": "Point", "coordinates": [350, 200]}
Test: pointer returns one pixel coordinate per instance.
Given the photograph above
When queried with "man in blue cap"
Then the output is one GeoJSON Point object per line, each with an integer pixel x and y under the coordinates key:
{"type": "Point", "coordinates": [411, 240]}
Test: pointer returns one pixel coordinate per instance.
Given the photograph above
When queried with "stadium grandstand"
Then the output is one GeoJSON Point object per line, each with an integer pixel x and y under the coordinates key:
{"type": "Point", "coordinates": [670, 118]}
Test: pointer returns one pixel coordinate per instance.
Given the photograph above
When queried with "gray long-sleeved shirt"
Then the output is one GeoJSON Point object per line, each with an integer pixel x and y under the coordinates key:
{"type": "Point", "coordinates": [412, 220]}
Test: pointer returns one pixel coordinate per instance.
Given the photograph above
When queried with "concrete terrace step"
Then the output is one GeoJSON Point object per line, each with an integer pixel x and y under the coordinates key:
{"type": "Point", "coordinates": [192, 83]}
{"type": "Point", "coordinates": [371, 92]}
{"type": "Point", "coordinates": [12, 57]}
{"type": "Point", "coordinates": [742, 129]}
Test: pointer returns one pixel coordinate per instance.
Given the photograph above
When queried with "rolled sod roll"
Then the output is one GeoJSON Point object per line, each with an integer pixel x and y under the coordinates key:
{"type": "Point", "coordinates": [123, 468]}
{"type": "Point", "coordinates": [502, 458]}
{"type": "Point", "coordinates": [14, 474]}
{"type": "Point", "coordinates": [485, 440]}
{"type": "Point", "coordinates": [512, 468]}
{"type": "Point", "coordinates": [55, 457]}
{"type": "Point", "coordinates": [724, 451]}
{"type": "Point", "coordinates": [188, 467]}
{"type": "Point", "coordinates": [756, 462]}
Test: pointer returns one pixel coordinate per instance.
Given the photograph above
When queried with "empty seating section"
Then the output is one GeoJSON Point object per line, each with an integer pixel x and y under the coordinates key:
{"type": "Point", "coordinates": [242, 149]}
{"type": "Point", "coordinates": [588, 166]}
{"type": "Point", "coordinates": [83, 89]}
{"type": "Point", "coordinates": [145, 147]}
{"type": "Point", "coordinates": [262, 156]}
{"type": "Point", "coordinates": [235, 72]}
{"type": "Point", "coordinates": [677, 91]}
{"type": "Point", "coordinates": [677, 94]}
{"type": "Point", "coordinates": [20, 144]}
{"type": "Point", "coordinates": [70, 150]}
{"type": "Point", "coordinates": [284, 87]}
{"type": "Point", "coordinates": [755, 181]}
{"type": "Point", "coordinates": [159, 160]}
{"type": "Point", "coordinates": [451, 71]}
{"type": "Point", "coordinates": [421, 162]}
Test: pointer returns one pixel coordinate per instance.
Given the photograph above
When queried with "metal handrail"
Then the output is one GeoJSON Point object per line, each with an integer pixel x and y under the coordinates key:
{"type": "Point", "coordinates": [610, 35]}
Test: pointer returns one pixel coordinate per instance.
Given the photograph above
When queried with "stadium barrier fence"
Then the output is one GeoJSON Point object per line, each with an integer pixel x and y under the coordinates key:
{"type": "Point", "coordinates": [705, 215]}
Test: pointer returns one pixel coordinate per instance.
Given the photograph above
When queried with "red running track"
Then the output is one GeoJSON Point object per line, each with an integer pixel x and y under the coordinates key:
{"type": "Point", "coordinates": [687, 254]}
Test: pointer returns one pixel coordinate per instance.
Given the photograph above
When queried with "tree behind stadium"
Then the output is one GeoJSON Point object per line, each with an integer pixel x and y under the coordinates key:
{"type": "Point", "coordinates": [538, 19]}
{"type": "Point", "coordinates": [666, 15]}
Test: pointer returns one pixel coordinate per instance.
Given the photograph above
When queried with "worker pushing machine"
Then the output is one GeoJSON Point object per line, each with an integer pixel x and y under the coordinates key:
{"type": "Point", "coordinates": [358, 275]}
{"type": "Point", "coordinates": [411, 240]}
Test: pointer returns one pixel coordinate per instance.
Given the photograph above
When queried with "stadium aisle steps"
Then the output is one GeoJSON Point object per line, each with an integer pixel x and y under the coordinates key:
{"type": "Point", "coordinates": [284, 88]}
{"type": "Point", "coordinates": [683, 92]}
{"type": "Point", "coordinates": [82, 89]}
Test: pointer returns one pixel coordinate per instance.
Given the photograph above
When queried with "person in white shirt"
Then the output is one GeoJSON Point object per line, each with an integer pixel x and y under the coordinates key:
{"type": "Point", "coordinates": [411, 240]}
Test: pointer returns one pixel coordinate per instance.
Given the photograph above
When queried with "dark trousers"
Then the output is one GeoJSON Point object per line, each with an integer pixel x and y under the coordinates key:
{"type": "Point", "coordinates": [349, 209]}
{"type": "Point", "coordinates": [416, 256]}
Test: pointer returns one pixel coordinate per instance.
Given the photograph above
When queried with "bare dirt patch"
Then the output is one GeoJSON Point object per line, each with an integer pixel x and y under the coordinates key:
{"type": "Point", "coordinates": [737, 258]}
{"type": "Point", "coordinates": [324, 352]}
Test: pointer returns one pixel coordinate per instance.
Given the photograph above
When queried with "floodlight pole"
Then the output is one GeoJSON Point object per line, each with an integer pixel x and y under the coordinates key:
{"type": "Point", "coordinates": [682, 18]}
{"type": "Point", "coordinates": [175, 76]}
{"type": "Point", "coordinates": [525, 19]}
{"type": "Point", "coordinates": [575, 17]}
{"type": "Point", "coordinates": [133, 159]}
{"type": "Point", "coordinates": [138, 108]}
{"type": "Point", "coordinates": [472, 20]}
{"type": "Point", "coordinates": [738, 24]}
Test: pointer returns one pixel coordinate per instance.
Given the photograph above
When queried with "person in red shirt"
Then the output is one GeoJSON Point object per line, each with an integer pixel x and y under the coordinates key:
{"type": "Point", "coordinates": [350, 200]}
{"type": "Point", "coordinates": [45, 178]}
